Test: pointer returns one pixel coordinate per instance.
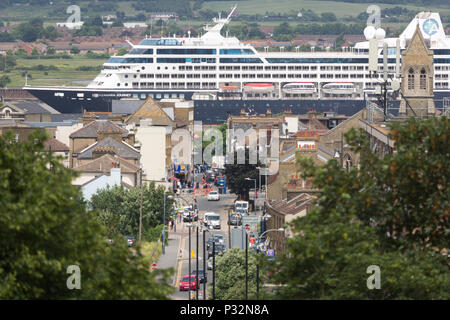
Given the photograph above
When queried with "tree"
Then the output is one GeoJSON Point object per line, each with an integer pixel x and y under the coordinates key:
{"type": "Point", "coordinates": [230, 275]}
{"type": "Point", "coordinates": [4, 80]}
{"type": "Point", "coordinates": [119, 209]}
{"type": "Point", "coordinates": [391, 212]}
{"type": "Point", "coordinates": [49, 229]}
{"type": "Point", "coordinates": [26, 32]}
{"type": "Point", "coordinates": [7, 61]}
{"type": "Point", "coordinates": [122, 51]}
{"type": "Point", "coordinates": [75, 50]}
{"type": "Point", "coordinates": [236, 174]}
{"type": "Point", "coordinates": [21, 52]}
{"type": "Point", "coordinates": [51, 51]}
{"type": "Point", "coordinates": [95, 21]}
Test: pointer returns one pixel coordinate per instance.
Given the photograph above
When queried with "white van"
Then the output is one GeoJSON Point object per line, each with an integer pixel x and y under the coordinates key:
{"type": "Point", "coordinates": [212, 219]}
{"type": "Point", "coordinates": [241, 207]}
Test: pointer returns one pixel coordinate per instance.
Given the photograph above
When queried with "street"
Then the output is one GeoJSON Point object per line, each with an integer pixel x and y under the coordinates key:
{"type": "Point", "coordinates": [181, 256]}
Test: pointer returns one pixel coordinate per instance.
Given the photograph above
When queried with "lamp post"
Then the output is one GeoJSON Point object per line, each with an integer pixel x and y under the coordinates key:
{"type": "Point", "coordinates": [196, 270]}
{"type": "Point", "coordinates": [214, 270]}
{"type": "Point", "coordinates": [189, 275]}
{"type": "Point", "coordinates": [246, 265]}
{"type": "Point", "coordinates": [254, 204]}
{"type": "Point", "coordinates": [140, 206]}
{"type": "Point", "coordinates": [164, 222]}
{"type": "Point", "coordinates": [204, 264]}
{"type": "Point", "coordinates": [257, 263]}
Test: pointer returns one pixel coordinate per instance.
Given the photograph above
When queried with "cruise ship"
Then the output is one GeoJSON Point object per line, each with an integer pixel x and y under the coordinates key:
{"type": "Point", "coordinates": [224, 75]}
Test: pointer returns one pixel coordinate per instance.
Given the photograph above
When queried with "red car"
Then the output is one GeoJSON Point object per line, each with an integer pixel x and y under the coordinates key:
{"type": "Point", "coordinates": [184, 283]}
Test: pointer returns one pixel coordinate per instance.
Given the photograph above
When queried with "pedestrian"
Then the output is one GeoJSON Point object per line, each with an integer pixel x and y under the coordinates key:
{"type": "Point", "coordinates": [174, 225]}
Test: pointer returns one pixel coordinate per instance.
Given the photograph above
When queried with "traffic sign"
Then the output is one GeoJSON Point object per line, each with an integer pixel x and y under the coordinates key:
{"type": "Point", "coordinates": [154, 266]}
{"type": "Point", "coordinates": [247, 227]}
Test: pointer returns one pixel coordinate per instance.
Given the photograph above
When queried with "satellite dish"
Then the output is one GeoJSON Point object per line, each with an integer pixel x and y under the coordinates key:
{"type": "Point", "coordinates": [369, 32]}
{"type": "Point", "coordinates": [395, 85]}
{"type": "Point", "coordinates": [380, 34]}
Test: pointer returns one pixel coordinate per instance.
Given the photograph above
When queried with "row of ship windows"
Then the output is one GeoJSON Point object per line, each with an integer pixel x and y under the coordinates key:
{"type": "Point", "coordinates": [257, 60]}
{"type": "Point", "coordinates": [213, 84]}
{"type": "Point", "coordinates": [192, 51]}
{"type": "Point", "coordinates": [174, 85]}
{"type": "Point", "coordinates": [265, 76]}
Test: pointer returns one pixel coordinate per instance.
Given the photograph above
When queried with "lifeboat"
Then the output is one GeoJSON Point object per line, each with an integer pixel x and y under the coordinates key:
{"type": "Point", "coordinates": [299, 87]}
{"type": "Point", "coordinates": [339, 88]}
{"type": "Point", "coordinates": [228, 87]}
{"type": "Point", "coordinates": [259, 87]}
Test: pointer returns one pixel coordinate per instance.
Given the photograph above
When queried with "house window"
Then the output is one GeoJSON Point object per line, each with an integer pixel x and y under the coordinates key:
{"type": "Point", "coordinates": [423, 79]}
{"type": "Point", "coordinates": [411, 79]}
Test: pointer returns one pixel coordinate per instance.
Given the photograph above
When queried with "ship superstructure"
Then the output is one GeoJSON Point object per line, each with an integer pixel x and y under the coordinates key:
{"type": "Point", "coordinates": [214, 67]}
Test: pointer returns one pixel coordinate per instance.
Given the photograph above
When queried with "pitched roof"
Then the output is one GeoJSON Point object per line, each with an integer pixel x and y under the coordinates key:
{"type": "Point", "coordinates": [32, 108]}
{"type": "Point", "coordinates": [121, 149]}
{"type": "Point", "coordinates": [55, 145]}
{"type": "Point", "coordinates": [90, 130]}
{"type": "Point", "coordinates": [293, 206]}
{"type": "Point", "coordinates": [150, 109]}
{"type": "Point", "coordinates": [105, 163]}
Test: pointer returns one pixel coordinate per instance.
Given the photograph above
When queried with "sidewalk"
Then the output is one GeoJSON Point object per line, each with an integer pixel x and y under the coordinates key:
{"type": "Point", "coordinates": [169, 259]}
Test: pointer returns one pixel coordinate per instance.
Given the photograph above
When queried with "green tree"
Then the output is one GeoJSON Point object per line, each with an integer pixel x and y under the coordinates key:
{"type": "Point", "coordinates": [230, 275]}
{"type": "Point", "coordinates": [4, 80]}
{"type": "Point", "coordinates": [122, 52]}
{"type": "Point", "coordinates": [75, 50]}
{"type": "Point", "coordinates": [51, 51]}
{"type": "Point", "coordinates": [95, 21]}
{"type": "Point", "coordinates": [119, 209]}
{"type": "Point", "coordinates": [7, 61]}
{"type": "Point", "coordinates": [45, 228]}
{"type": "Point", "coordinates": [391, 212]}
{"type": "Point", "coordinates": [26, 32]}
{"type": "Point", "coordinates": [236, 174]}
{"type": "Point", "coordinates": [21, 52]}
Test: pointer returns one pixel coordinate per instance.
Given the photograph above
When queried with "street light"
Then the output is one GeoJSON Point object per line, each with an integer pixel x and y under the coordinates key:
{"type": "Point", "coordinates": [257, 263]}
{"type": "Point", "coordinates": [254, 204]}
{"type": "Point", "coordinates": [189, 225]}
{"type": "Point", "coordinates": [164, 223]}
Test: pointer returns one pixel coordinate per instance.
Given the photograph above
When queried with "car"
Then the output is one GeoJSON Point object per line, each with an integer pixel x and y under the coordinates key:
{"type": "Point", "coordinates": [235, 219]}
{"type": "Point", "coordinates": [187, 281]}
{"type": "Point", "coordinates": [219, 249]}
{"type": "Point", "coordinates": [217, 238]}
{"type": "Point", "coordinates": [202, 277]}
{"type": "Point", "coordinates": [210, 264]}
{"type": "Point", "coordinates": [190, 214]}
{"type": "Point", "coordinates": [210, 242]}
{"type": "Point", "coordinates": [131, 240]}
{"type": "Point", "coordinates": [212, 220]}
{"type": "Point", "coordinates": [213, 195]}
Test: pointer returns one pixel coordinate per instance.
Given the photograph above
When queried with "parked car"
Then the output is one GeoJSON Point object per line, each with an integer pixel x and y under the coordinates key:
{"type": "Point", "coordinates": [213, 195]}
{"type": "Point", "coordinates": [219, 249]}
{"type": "Point", "coordinates": [190, 214]}
{"type": "Point", "coordinates": [235, 219]}
{"type": "Point", "coordinates": [202, 277]}
{"type": "Point", "coordinates": [218, 238]}
{"type": "Point", "coordinates": [131, 240]}
{"type": "Point", "coordinates": [210, 264]}
{"type": "Point", "coordinates": [210, 242]}
{"type": "Point", "coordinates": [188, 280]}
